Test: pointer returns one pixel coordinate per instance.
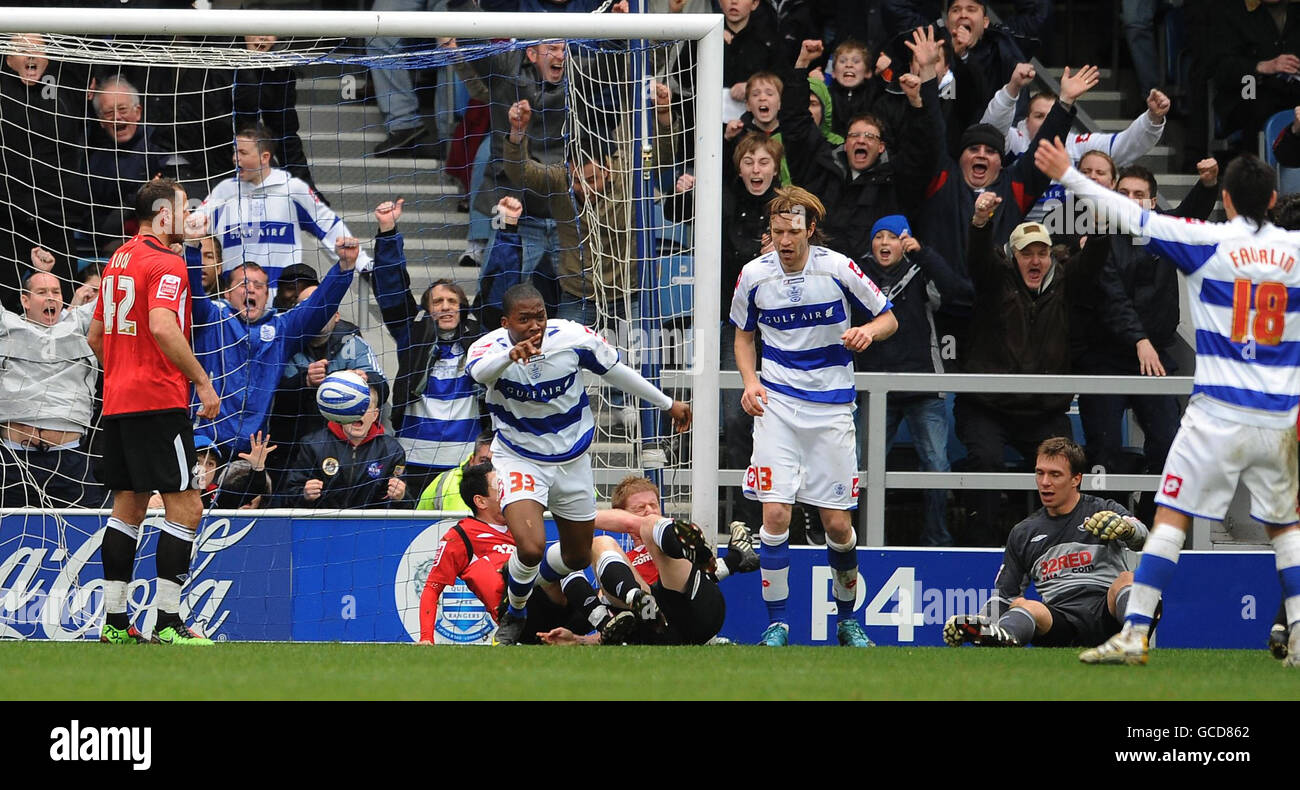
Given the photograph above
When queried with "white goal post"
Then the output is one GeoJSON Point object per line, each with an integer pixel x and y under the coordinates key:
{"type": "Point", "coordinates": [702, 376]}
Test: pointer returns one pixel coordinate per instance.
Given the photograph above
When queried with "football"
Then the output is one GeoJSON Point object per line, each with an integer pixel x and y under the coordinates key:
{"type": "Point", "coordinates": [343, 397]}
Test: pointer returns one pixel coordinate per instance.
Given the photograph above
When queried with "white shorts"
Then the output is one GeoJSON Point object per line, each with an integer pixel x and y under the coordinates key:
{"type": "Point", "coordinates": [568, 490]}
{"type": "Point", "coordinates": [1210, 454]}
{"type": "Point", "coordinates": [804, 452]}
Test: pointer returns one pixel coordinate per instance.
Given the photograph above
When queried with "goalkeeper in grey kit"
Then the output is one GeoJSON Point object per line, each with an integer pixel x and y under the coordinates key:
{"type": "Point", "coordinates": [1076, 550]}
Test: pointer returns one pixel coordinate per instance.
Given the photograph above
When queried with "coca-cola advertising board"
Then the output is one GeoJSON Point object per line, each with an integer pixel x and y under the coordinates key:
{"type": "Point", "coordinates": [357, 578]}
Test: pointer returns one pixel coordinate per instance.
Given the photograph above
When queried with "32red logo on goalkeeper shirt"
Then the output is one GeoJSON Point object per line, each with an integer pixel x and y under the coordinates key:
{"type": "Point", "coordinates": [1075, 559]}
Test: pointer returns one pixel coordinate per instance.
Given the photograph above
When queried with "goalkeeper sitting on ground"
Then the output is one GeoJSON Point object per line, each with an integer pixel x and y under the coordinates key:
{"type": "Point", "coordinates": [1076, 550]}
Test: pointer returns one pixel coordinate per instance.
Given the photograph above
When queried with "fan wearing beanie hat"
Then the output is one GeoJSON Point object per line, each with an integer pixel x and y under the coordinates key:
{"type": "Point", "coordinates": [894, 223]}
{"type": "Point", "coordinates": [911, 275]}
{"type": "Point", "coordinates": [983, 134]}
{"type": "Point", "coordinates": [954, 187]}
{"type": "Point", "coordinates": [981, 155]}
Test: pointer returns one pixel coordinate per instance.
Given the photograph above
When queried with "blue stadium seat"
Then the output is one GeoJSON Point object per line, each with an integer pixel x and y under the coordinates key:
{"type": "Point", "coordinates": [1288, 178]}
{"type": "Point", "coordinates": [676, 289]}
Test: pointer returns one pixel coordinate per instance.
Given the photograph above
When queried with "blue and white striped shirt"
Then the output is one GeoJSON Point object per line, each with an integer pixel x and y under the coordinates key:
{"type": "Point", "coordinates": [539, 407]}
{"type": "Point", "coordinates": [1244, 289]}
{"type": "Point", "coordinates": [801, 318]}
{"type": "Point", "coordinates": [262, 223]}
{"type": "Point", "coordinates": [440, 427]}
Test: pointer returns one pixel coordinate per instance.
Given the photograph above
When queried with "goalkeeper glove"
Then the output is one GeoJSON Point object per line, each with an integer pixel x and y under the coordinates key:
{"type": "Point", "coordinates": [1108, 525]}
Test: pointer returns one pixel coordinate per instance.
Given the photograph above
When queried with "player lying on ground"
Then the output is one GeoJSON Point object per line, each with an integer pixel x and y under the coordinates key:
{"type": "Point", "coordinates": [1240, 421]}
{"type": "Point", "coordinates": [476, 551]}
{"type": "Point", "coordinates": [532, 368]}
{"type": "Point", "coordinates": [1075, 550]}
{"type": "Point", "coordinates": [667, 586]}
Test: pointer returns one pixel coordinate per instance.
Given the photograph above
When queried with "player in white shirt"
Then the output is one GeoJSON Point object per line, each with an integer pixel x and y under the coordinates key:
{"type": "Point", "coordinates": [801, 297]}
{"type": "Point", "coordinates": [532, 368]}
{"type": "Point", "coordinates": [1243, 283]}
{"type": "Point", "coordinates": [257, 215]}
{"type": "Point", "coordinates": [1124, 148]}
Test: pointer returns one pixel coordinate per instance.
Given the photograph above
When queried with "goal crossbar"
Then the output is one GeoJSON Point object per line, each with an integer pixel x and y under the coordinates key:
{"type": "Point", "coordinates": [413, 24]}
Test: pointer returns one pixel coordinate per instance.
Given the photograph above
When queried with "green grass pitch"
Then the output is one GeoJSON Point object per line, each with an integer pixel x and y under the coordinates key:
{"type": "Point", "coordinates": [261, 671]}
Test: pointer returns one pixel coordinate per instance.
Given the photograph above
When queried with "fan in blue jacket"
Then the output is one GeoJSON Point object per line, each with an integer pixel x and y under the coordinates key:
{"type": "Point", "coordinates": [243, 344]}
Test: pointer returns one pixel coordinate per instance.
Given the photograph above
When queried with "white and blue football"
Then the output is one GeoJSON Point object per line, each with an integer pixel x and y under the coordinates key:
{"type": "Point", "coordinates": [343, 397]}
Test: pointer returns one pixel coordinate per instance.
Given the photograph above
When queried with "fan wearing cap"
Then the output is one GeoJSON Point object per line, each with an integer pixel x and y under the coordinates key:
{"type": "Point", "coordinates": [954, 185]}
{"type": "Point", "coordinates": [208, 466]}
{"type": "Point", "coordinates": [908, 274]}
{"type": "Point", "coordinates": [293, 280]}
{"type": "Point", "coordinates": [854, 181]}
{"type": "Point", "coordinates": [1020, 325]}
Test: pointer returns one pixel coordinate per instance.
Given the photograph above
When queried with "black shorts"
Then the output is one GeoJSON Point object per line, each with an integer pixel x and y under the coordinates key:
{"type": "Point", "coordinates": [694, 616]}
{"type": "Point", "coordinates": [152, 451]}
{"type": "Point", "coordinates": [543, 615]}
{"type": "Point", "coordinates": [1080, 625]}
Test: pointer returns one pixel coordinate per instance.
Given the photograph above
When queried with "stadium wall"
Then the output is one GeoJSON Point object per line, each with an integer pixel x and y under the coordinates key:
{"type": "Point", "coordinates": [357, 578]}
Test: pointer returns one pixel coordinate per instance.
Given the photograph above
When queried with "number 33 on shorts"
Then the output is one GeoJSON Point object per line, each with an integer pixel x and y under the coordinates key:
{"type": "Point", "coordinates": [758, 478]}
{"type": "Point", "coordinates": [522, 482]}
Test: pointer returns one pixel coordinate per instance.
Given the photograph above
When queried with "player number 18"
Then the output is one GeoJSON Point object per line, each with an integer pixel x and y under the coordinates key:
{"type": "Point", "coordinates": [1270, 312]}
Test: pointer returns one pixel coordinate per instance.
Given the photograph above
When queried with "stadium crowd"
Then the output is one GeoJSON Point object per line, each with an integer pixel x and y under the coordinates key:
{"type": "Point", "coordinates": [897, 140]}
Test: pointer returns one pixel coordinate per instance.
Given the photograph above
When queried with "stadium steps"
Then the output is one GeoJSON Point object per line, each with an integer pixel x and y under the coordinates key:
{"type": "Point", "coordinates": [1104, 105]}
{"type": "Point", "coordinates": [338, 142]}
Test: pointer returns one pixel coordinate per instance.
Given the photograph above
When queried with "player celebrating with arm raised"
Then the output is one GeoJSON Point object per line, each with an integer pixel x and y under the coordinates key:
{"type": "Point", "coordinates": [532, 369]}
{"type": "Point", "coordinates": [1240, 422]}
{"type": "Point", "coordinates": [800, 297]}
{"type": "Point", "coordinates": [141, 334]}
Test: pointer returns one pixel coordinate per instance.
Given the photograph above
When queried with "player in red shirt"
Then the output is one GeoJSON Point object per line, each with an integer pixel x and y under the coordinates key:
{"type": "Point", "coordinates": [141, 334]}
{"type": "Point", "coordinates": [669, 581]}
{"type": "Point", "coordinates": [476, 550]}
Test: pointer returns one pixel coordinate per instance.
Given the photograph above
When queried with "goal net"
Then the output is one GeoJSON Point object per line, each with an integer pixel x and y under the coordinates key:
{"type": "Point", "coordinates": [356, 111]}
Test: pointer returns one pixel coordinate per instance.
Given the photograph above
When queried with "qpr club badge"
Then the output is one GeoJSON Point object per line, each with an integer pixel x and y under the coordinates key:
{"type": "Point", "coordinates": [794, 289]}
{"type": "Point", "coordinates": [535, 367]}
{"type": "Point", "coordinates": [330, 466]}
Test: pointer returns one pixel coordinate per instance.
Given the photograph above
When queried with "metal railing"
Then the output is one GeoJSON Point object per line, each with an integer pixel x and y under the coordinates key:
{"type": "Point", "coordinates": [878, 386]}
